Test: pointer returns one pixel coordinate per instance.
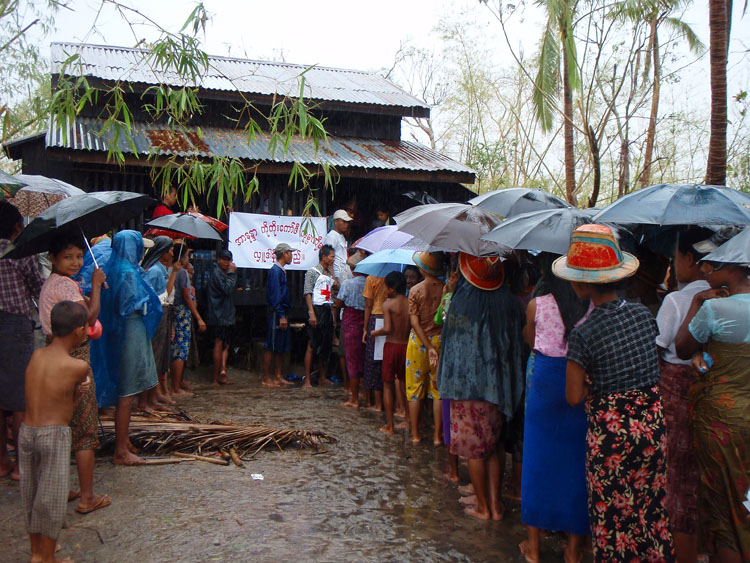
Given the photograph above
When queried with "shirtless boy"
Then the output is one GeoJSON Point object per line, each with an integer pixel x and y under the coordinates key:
{"type": "Point", "coordinates": [52, 379]}
{"type": "Point", "coordinates": [396, 327]}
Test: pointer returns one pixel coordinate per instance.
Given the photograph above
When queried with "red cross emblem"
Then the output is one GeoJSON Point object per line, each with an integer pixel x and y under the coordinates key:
{"type": "Point", "coordinates": [326, 293]}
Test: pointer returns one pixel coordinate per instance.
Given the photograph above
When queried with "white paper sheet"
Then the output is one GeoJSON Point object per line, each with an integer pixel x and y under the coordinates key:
{"type": "Point", "coordinates": [379, 341]}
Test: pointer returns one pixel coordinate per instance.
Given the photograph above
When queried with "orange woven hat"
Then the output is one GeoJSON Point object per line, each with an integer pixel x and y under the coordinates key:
{"type": "Point", "coordinates": [485, 273]}
{"type": "Point", "coordinates": [430, 262]}
{"type": "Point", "coordinates": [594, 257]}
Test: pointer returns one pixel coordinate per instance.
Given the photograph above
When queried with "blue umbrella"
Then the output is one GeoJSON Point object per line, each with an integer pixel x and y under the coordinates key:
{"type": "Point", "coordinates": [383, 262]}
{"type": "Point", "coordinates": [548, 230]}
{"type": "Point", "coordinates": [680, 204]}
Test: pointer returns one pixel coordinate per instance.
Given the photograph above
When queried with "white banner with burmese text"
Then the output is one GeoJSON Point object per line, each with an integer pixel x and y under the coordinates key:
{"type": "Point", "coordinates": [252, 238]}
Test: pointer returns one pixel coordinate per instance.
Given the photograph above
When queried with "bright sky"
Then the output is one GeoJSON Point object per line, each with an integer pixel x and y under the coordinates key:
{"type": "Point", "coordinates": [341, 33]}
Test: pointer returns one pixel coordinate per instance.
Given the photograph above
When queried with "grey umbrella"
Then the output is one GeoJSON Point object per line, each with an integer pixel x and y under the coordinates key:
{"type": "Point", "coordinates": [680, 204]}
{"type": "Point", "coordinates": [509, 202]}
{"type": "Point", "coordinates": [452, 227]}
{"type": "Point", "coordinates": [187, 224]}
{"type": "Point", "coordinates": [735, 251]}
{"type": "Point", "coordinates": [93, 214]}
{"type": "Point", "coordinates": [548, 230]}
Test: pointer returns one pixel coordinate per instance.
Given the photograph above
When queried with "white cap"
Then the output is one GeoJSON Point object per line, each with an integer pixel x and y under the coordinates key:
{"type": "Point", "coordinates": [342, 214]}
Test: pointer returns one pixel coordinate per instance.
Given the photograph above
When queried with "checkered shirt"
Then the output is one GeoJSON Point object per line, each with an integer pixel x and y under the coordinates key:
{"type": "Point", "coordinates": [617, 347]}
{"type": "Point", "coordinates": [20, 281]}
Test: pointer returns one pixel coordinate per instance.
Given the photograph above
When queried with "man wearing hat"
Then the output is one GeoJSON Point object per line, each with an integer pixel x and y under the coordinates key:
{"type": "Point", "coordinates": [335, 238]}
{"type": "Point", "coordinates": [613, 365]}
{"type": "Point", "coordinates": [221, 312]}
{"type": "Point", "coordinates": [278, 337]}
{"type": "Point", "coordinates": [424, 342]}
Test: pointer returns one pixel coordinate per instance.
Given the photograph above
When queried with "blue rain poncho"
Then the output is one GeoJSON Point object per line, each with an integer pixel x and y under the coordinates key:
{"type": "Point", "coordinates": [128, 293]}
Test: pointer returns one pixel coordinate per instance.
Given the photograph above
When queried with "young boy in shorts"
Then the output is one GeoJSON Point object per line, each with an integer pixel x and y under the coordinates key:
{"type": "Point", "coordinates": [53, 377]}
{"type": "Point", "coordinates": [424, 342]}
{"type": "Point", "coordinates": [396, 327]}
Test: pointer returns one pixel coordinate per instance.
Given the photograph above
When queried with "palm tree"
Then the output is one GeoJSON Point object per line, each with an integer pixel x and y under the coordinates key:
{"type": "Point", "coordinates": [558, 45]}
{"type": "Point", "coordinates": [719, 25]}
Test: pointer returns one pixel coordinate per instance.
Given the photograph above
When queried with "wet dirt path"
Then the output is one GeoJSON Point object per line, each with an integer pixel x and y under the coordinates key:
{"type": "Point", "coordinates": [370, 497]}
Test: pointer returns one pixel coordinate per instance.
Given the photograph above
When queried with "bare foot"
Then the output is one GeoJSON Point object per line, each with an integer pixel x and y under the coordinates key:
{"type": "Point", "coordinates": [281, 381]}
{"type": "Point", "coordinates": [185, 385]}
{"type": "Point", "coordinates": [472, 511]}
{"type": "Point", "coordinates": [524, 547]}
{"type": "Point", "coordinates": [436, 441]}
{"type": "Point", "coordinates": [307, 384]}
{"type": "Point", "coordinates": [222, 381]}
{"type": "Point", "coordinates": [451, 477]}
{"type": "Point", "coordinates": [471, 500]}
{"type": "Point", "coordinates": [466, 489]}
{"type": "Point", "coordinates": [148, 409]}
{"type": "Point", "coordinates": [403, 425]}
{"type": "Point", "coordinates": [181, 393]}
{"type": "Point", "coordinates": [375, 408]}
{"type": "Point", "coordinates": [165, 399]}
{"type": "Point", "coordinates": [324, 381]}
{"type": "Point", "coordinates": [132, 449]}
{"type": "Point", "coordinates": [162, 408]}
{"type": "Point", "coordinates": [387, 430]}
{"type": "Point", "coordinates": [399, 414]}
{"type": "Point", "coordinates": [350, 404]}
{"type": "Point", "coordinates": [498, 512]}
{"type": "Point", "coordinates": [268, 383]}
{"type": "Point", "coordinates": [416, 440]}
{"type": "Point", "coordinates": [127, 458]}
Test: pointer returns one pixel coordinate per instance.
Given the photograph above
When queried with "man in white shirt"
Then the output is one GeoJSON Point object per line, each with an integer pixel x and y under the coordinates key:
{"type": "Point", "coordinates": [335, 238]}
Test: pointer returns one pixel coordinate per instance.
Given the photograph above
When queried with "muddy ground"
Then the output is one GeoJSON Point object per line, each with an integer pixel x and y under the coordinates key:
{"type": "Point", "coordinates": [369, 497]}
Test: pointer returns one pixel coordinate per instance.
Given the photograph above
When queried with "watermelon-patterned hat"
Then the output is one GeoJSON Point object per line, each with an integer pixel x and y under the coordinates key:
{"type": "Point", "coordinates": [594, 257]}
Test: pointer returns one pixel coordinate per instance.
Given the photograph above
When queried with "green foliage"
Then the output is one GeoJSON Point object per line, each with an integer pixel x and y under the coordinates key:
{"type": "Point", "coordinates": [175, 107]}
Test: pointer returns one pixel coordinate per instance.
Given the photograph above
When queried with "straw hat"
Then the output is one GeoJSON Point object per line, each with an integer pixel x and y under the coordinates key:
{"type": "Point", "coordinates": [594, 257]}
{"type": "Point", "coordinates": [485, 273]}
{"type": "Point", "coordinates": [430, 262]}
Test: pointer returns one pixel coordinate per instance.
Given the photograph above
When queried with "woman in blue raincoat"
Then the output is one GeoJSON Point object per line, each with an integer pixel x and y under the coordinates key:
{"type": "Point", "coordinates": [130, 313]}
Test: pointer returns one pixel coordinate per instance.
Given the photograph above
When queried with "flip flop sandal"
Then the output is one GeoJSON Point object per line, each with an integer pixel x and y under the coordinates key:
{"type": "Point", "coordinates": [104, 501]}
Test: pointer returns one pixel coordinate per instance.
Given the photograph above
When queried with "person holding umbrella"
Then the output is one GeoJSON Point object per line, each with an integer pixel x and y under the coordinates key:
{"type": "Point", "coordinates": [715, 335]}
{"type": "Point", "coordinates": [66, 254]}
{"type": "Point", "coordinates": [20, 282]}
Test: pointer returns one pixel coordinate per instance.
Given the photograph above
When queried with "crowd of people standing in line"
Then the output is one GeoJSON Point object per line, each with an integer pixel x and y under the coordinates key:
{"type": "Point", "coordinates": [633, 429]}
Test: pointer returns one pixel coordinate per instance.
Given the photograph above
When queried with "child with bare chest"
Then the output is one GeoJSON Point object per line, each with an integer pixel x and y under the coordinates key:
{"type": "Point", "coordinates": [396, 328]}
{"type": "Point", "coordinates": [53, 377]}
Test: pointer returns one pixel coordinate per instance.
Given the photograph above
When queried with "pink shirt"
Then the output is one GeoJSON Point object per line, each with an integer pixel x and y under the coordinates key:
{"type": "Point", "coordinates": [549, 328]}
{"type": "Point", "coordinates": [57, 288]}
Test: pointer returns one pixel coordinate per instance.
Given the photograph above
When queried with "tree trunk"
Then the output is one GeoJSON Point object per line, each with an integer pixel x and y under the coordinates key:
{"type": "Point", "coordinates": [623, 181]}
{"type": "Point", "coordinates": [651, 131]}
{"type": "Point", "coordinates": [570, 167]}
{"type": "Point", "coordinates": [596, 162]}
{"type": "Point", "coordinates": [719, 18]}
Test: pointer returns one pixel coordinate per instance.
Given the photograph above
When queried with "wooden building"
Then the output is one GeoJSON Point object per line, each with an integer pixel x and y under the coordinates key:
{"type": "Point", "coordinates": [363, 115]}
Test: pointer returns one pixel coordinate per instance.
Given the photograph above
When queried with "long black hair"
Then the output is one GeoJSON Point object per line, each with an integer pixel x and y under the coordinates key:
{"type": "Point", "coordinates": [571, 307]}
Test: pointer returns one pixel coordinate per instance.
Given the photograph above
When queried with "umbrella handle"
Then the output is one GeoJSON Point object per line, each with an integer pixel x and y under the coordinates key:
{"type": "Point", "coordinates": [104, 285]}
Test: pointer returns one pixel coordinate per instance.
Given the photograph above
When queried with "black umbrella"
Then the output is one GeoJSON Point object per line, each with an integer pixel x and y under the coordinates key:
{"type": "Point", "coordinates": [92, 213]}
{"type": "Point", "coordinates": [187, 224]}
{"type": "Point", "coordinates": [510, 202]}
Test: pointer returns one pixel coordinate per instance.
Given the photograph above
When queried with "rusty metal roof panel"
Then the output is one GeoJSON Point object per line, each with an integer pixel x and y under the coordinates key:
{"type": "Point", "coordinates": [228, 74]}
{"type": "Point", "coordinates": [217, 141]}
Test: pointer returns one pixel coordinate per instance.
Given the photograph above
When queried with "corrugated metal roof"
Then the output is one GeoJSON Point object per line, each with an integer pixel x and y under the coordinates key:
{"type": "Point", "coordinates": [247, 76]}
{"type": "Point", "coordinates": [215, 141]}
